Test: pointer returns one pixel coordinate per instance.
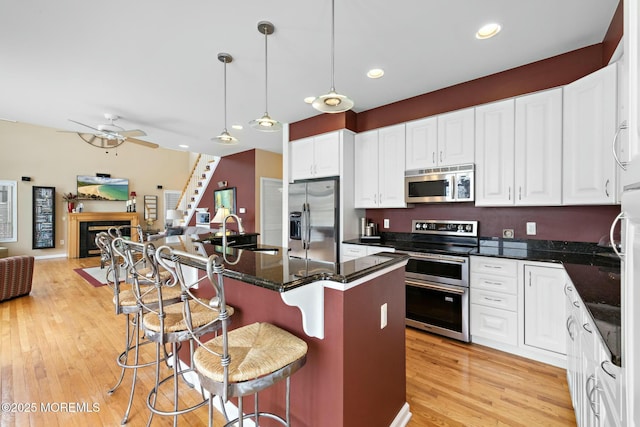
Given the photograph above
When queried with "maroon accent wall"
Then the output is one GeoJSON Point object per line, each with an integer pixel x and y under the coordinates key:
{"type": "Point", "coordinates": [565, 223]}
{"type": "Point", "coordinates": [322, 123]}
{"type": "Point", "coordinates": [239, 171]}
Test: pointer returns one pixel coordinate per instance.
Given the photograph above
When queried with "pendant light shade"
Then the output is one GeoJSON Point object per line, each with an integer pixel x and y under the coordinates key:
{"type": "Point", "coordinates": [332, 102]}
{"type": "Point", "coordinates": [266, 123]}
{"type": "Point", "coordinates": [225, 137]}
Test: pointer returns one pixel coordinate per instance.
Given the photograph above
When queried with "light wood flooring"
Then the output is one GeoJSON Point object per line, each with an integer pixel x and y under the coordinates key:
{"type": "Point", "coordinates": [58, 348]}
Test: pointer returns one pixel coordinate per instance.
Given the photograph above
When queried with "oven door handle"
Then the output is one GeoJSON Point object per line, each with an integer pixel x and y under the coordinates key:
{"type": "Point", "coordinates": [438, 257]}
{"type": "Point", "coordinates": [433, 286]}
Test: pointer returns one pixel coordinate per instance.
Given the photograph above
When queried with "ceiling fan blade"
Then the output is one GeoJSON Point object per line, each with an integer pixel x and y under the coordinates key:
{"type": "Point", "coordinates": [144, 143]}
{"type": "Point", "coordinates": [82, 124]}
{"type": "Point", "coordinates": [132, 132]}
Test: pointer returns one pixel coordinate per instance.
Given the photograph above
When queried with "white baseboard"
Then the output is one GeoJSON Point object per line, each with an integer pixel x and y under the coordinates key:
{"type": "Point", "coordinates": [61, 255]}
{"type": "Point", "coordinates": [403, 417]}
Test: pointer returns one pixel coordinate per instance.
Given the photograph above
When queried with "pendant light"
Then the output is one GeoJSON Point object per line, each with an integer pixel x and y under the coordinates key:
{"type": "Point", "coordinates": [266, 123]}
{"type": "Point", "coordinates": [225, 137]}
{"type": "Point", "coordinates": [332, 102]}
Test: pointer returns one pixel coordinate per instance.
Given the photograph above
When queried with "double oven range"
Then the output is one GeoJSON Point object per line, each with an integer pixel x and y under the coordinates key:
{"type": "Point", "coordinates": [437, 276]}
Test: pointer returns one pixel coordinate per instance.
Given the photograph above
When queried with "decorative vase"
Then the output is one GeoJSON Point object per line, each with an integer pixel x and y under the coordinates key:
{"type": "Point", "coordinates": [70, 206]}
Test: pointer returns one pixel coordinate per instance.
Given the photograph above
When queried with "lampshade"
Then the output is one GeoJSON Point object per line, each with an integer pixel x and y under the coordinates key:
{"type": "Point", "coordinates": [133, 194]}
{"type": "Point", "coordinates": [332, 102]}
{"type": "Point", "coordinates": [174, 214]}
{"type": "Point", "coordinates": [221, 213]}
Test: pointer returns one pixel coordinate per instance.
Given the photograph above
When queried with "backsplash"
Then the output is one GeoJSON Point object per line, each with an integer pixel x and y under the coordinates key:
{"type": "Point", "coordinates": [563, 223]}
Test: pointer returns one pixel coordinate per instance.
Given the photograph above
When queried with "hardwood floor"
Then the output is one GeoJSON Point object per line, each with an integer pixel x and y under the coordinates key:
{"type": "Point", "coordinates": [58, 348]}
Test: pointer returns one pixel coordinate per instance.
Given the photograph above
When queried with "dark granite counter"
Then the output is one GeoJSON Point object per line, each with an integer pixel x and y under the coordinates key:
{"type": "Point", "coordinates": [271, 267]}
{"type": "Point", "coordinates": [593, 270]}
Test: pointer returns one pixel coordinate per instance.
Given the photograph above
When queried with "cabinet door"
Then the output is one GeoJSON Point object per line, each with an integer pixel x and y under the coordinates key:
{"type": "Point", "coordinates": [495, 154]}
{"type": "Point", "coordinates": [422, 144]}
{"type": "Point", "coordinates": [456, 137]}
{"type": "Point", "coordinates": [538, 149]}
{"type": "Point", "coordinates": [301, 152]}
{"type": "Point", "coordinates": [391, 152]}
{"type": "Point", "coordinates": [589, 126]}
{"type": "Point", "coordinates": [544, 308]}
{"type": "Point", "coordinates": [326, 153]}
{"type": "Point", "coordinates": [366, 170]}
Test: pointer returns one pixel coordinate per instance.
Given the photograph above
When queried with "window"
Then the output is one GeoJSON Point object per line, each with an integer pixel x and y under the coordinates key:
{"type": "Point", "coordinates": [8, 211]}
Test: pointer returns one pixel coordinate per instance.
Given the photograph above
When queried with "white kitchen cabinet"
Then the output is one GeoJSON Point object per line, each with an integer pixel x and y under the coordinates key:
{"type": "Point", "coordinates": [315, 157]}
{"type": "Point", "coordinates": [422, 144]}
{"type": "Point", "coordinates": [573, 326]}
{"type": "Point", "coordinates": [379, 168]}
{"type": "Point", "coordinates": [589, 125]}
{"type": "Point", "coordinates": [352, 251]}
{"type": "Point", "coordinates": [456, 132]}
{"type": "Point", "coordinates": [519, 151]}
{"type": "Point", "coordinates": [494, 300]}
{"type": "Point", "coordinates": [544, 308]}
{"type": "Point", "coordinates": [495, 154]}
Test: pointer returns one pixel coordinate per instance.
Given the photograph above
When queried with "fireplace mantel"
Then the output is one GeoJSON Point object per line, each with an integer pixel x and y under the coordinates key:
{"type": "Point", "coordinates": [73, 227]}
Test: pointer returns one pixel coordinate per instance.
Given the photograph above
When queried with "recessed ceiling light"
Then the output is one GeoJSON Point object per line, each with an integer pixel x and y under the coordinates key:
{"type": "Point", "coordinates": [488, 31]}
{"type": "Point", "coordinates": [183, 146]}
{"type": "Point", "coordinates": [375, 73]}
{"type": "Point", "coordinates": [309, 99]}
{"type": "Point", "coordinates": [236, 127]}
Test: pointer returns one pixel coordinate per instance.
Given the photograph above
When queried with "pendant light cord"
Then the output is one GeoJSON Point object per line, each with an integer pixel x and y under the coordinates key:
{"type": "Point", "coordinates": [266, 75]}
{"type": "Point", "coordinates": [225, 94]}
{"type": "Point", "coordinates": [333, 45]}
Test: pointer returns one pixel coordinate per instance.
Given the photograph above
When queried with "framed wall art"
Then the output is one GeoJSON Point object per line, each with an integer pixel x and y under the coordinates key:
{"type": "Point", "coordinates": [44, 217]}
{"type": "Point", "coordinates": [225, 198]}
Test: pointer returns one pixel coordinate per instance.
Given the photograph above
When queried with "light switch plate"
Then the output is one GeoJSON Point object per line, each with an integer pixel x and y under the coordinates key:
{"type": "Point", "coordinates": [531, 228]}
{"type": "Point", "coordinates": [386, 223]}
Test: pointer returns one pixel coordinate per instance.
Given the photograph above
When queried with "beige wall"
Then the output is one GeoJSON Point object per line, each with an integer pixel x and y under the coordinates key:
{"type": "Point", "coordinates": [54, 159]}
{"type": "Point", "coordinates": [268, 165]}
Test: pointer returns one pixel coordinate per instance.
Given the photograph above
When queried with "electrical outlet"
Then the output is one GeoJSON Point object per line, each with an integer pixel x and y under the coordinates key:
{"type": "Point", "coordinates": [531, 228]}
{"type": "Point", "coordinates": [242, 210]}
{"type": "Point", "coordinates": [386, 223]}
{"type": "Point", "coordinates": [383, 315]}
{"type": "Point", "coordinates": [62, 242]}
{"type": "Point", "coordinates": [507, 233]}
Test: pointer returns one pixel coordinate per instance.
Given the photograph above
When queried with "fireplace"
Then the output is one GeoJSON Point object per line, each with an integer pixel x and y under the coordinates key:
{"type": "Point", "coordinates": [90, 229]}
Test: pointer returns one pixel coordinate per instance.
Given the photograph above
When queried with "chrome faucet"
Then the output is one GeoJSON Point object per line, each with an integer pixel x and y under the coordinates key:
{"type": "Point", "coordinates": [224, 229]}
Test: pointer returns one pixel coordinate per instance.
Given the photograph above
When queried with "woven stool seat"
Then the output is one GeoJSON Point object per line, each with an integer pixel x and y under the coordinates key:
{"type": "Point", "coordinates": [149, 296]}
{"type": "Point", "coordinates": [256, 350]}
{"type": "Point", "coordinates": [174, 319]}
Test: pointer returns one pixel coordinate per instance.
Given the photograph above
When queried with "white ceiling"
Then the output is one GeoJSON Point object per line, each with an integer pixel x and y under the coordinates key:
{"type": "Point", "coordinates": [154, 62]}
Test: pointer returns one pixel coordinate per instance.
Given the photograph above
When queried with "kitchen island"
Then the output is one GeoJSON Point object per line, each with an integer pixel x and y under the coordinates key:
{"type": "Point", "coordinates": [355, 370]}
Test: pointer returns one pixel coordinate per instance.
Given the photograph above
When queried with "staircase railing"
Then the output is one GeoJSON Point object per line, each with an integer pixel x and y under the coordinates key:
{"type": "Point", "coordinates": [200, 175]}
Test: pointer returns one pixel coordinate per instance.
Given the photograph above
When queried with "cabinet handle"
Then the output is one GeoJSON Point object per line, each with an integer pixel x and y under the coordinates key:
{"type": "Point", "coordinates": [576, 304]}
{"type": "Point", "coordinates": [590, 395]}
{"type": "Point", "coordinates": [613, 225]}
{"type": "Point", "coordinates": [623, 165]}
{"type": "Point", "coordinates": [489, 282]}
{"type": "Point", "coordinates": [520, 193]}
{"type": "Point", "coordinates": [492, 266]}
{"type": "Point", "coordinates": [569, 328]}
{"type": "Point", "coordinates": [509, 193]}
{"type": "Point", "coordinates": [493, 299]}
{"type": "Point", "coordinates": [529, 279]}
{"type": "Point", "coordinates": [567, 288]}
{"type": "Point", "coordinates": [587, 327]}
{"type": "Point", "coordinates": [433, 157]}
{"type": "Point", "coordinates": [604, 362]}
{"type": "Point", "coordinates": [606, 188]}
{"type": "Point", "coordinates": [440, 156]}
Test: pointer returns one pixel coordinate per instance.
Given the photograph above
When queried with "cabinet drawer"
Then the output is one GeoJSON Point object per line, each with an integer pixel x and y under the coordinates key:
{"type": "Point", "coordinates": [494, 283]}
{"type": "Point", "coordinates": [494, 324]}
{"type": "Point", "coordinates": [494, 299]}
{"type": "Point", "coordinates": [494, 266]}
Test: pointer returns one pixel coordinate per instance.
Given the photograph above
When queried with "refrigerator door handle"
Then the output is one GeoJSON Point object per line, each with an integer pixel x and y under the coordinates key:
{"type": "Point", "coordinates": [306, 225]}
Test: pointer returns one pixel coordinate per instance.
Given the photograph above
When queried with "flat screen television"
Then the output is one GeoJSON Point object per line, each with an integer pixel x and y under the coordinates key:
{"type": "Point", "coordinates": [100, 188]}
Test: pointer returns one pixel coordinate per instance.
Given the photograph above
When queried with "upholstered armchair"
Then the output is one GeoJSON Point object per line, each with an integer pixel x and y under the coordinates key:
{"type": "Point", "coordinates": [16, 276]}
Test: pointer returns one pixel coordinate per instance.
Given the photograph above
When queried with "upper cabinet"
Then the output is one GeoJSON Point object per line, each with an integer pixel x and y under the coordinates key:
{"type": "Point", "coordinates": [589, 172]}
{"type": "Point", "coordinates": [379, 168]}
{"type": "Point", "coordinates": [519, 151]}
{"type": "Point", "coordinates": [442, 140]}
{"type": "Point", "coordinates": [315, 157]}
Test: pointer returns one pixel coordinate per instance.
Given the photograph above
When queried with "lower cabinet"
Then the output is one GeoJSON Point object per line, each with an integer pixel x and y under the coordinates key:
{"type": "Point", "coordinates": [595, 383]}
{"type": "Point", "coordinates": [352, 251]}
{"type": "Point", "coordinates": [519, 307]}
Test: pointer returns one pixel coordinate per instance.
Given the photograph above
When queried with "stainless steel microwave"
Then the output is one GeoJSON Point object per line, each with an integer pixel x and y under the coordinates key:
{"type": "Point", "coordinates": [444, 184]}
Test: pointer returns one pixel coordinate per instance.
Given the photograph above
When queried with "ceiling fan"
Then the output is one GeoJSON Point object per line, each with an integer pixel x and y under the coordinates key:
{"type": "Point", "coordinates": [110, 135]}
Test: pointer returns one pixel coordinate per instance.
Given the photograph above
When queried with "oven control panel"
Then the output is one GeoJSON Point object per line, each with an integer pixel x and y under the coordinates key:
{"type": "Point", "coordinates": [456, 228]}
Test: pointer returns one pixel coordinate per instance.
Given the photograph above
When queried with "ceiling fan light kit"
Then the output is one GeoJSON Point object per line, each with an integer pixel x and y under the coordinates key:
{"type": "Point", "coordinates": [333, 102]}
{"type": "Point", "coordinates": [110, 135]}
{"type": "Point", "coordinates": [266, 123]}
{"type": "Point", "coordinates": [225, 137]}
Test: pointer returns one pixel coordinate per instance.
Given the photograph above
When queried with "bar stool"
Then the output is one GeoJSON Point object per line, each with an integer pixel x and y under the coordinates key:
{"type": "Point", "coordinates": [129, 301]}
{"type": "Point", "coordinates": [247, 359]}
{"type": "Point", "coordinates": [176, 324]}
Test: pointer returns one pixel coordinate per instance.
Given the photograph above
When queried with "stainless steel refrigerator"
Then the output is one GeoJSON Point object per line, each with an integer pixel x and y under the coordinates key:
{"type": "Point", "coordinates": [313, 220]}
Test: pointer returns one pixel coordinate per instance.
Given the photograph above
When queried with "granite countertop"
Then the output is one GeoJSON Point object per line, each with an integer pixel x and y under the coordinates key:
{"type": "Point", "coordinates": [593, 270]}
{"type": "Point", "coordinates": [272, 268]}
